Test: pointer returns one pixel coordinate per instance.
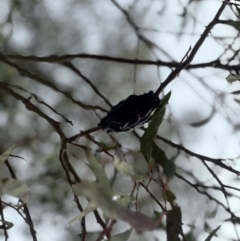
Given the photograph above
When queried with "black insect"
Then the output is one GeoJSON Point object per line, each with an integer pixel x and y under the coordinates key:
{"type": "Point", "coordinates": [131, 113]}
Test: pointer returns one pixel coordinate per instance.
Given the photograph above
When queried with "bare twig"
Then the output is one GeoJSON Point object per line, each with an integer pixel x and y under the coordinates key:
{"type": "Point", "coordinates": [218, 162]}
{"type": "Point", "coordinates": [195, 49]}
{"type": "Point", "coordinates": [25, 207]}
{"type": "Point", "coordinates": [2, 218]}
{"type": "Point", "coordinates": [49, 84]}
{"type": "Point", "coordinates": [68, 57]}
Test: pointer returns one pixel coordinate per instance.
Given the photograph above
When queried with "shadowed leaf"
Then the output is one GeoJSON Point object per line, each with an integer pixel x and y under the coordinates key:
{"type": "Point", "coordinates": [150, 133]}
{"type": "Point", "coordinates": [97, 195]}
{"type": "Point", "coordinates": [139, 221]}
{"type": "Point", "coordinates": [235, 24]}
{"type": "Point", "coordinates": [237, 101]}
{"type": "Point", "coordinates": [6, 154]}
{"type": "Point", "coordinates": [212, 233]}
{"type": "Point", "coordinates": [98, 171]}
{"type": "Point", "coordinates": [121, 236]}
{"type": "Point", "coordinates": [124, 200]}
{"type": "Point", "coordinates": [90, 207]}
{"type": "Point", "coordinates": [236, 92]}
{"type": "Point", "coordinates": [7, 225]}
{"type": "Point", "coordinates": [160, 158]}
{"type": "Point", "coordinates": [90, 236]}
{"type": "Point", "coordinates": [204, 121]}
{"type": "Point", "coordinates": [14, 188]}
{"type": "Point", "coordinates": [128, 169]}
{"type": "Point", "coordinates": [170, 197]}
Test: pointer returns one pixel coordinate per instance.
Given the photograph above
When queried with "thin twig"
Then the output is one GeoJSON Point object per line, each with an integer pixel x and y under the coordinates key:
{"type": "Point", "coordinates": [2, 218]}
{"type": "Point", "coordinates": [25, 207]}
{"type": "Point", "coordinates": [217, 162]}
{"type": "Point", "coordinates": [194, 51]}
{"type": "Point", "coordinates": [68, 57]}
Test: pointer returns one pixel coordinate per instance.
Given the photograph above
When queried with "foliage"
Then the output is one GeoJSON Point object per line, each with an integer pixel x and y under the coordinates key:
{"type": "Point", "coordinates": [157, 171]}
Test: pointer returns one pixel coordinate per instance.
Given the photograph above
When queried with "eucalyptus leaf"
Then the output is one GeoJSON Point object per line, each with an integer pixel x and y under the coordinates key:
{"type": "Point", "coordinates": [97, 195]}
{"type": "Point", "coordinates": [238, 10]}
{"type": "Point", "coordinates": [237, 101]}
{"type": "Point", "coordinates": [159, 156]}
{"type": "Point", "coordinates": [235, 24]}
{"type": "Point", "coordinates": [90, 236]}
{"type": "Point", "coordinates": [111, 209]}
{"type": "Point", "coordinates": [5, 155]}
{"type": "Point", "coordinates": [98, 171]}
{"type": "Point", "coordinates": [90, 207]}
{"type": "Point", "coordinates": [14, 188]}
{"type": "Point", "coordinates": [236, 92]}
{"type": "Point", "coordinates": [212, 233]}
{"type": "Point", "coordinates": [125, 200]}
{"type": "Point", "coordinates": [128, 169]}
{"type": "Point", "coordinates": [121, 236]}
{"type": "Point", "coordinates": [7, 225]}
{"type": "Point", "coordinates": [170, 197]}
{"type": "Point", "coordinates": [151, 132]}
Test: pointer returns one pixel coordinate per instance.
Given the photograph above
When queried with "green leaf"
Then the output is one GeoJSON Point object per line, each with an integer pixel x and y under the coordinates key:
{"type": "Point", "coordinates": [5, 155]}
{"type": "Point", "coordinates": [238, 10]}
{"type": "Point", "coordinates": [237, 101]}
{"type": "Point", "coordinates": [139, 221]}
{"type": "Point", "coordinates": [97, 195]}
{"type": "Point", "coordinates": [150, 133]}
{"type": "Point", "coordinates": [212, 233]}
{"type": "Point", "coordinates": [160, 158]}
{"type": "Point", "coordinates": [90, 236]}
{"type": "Point", "coordinates": [170, 197]}
{"type": "Point", "coordinates": [7, 225]}
{"type": "Point", "coordinates": [93, 236]}
{"type": "Point", "coordinates": [128, 169]}
{"type": "Point", "coordinates": [124, 200]}
{"type": "Point", "coordinates": [90, 207]}
{"type": "Point", "coordinates": [14, 188]}
{"type": "Point", "coordinates": [111, 209]}
{"type": "Point", "coordinates": [99, 172]}
{"type": "Point", "coordinates": [236, 92]}
{"type": "Point", "coordinates": [121, 236]}
{"type": "Point", "coordinates": [235, 24]}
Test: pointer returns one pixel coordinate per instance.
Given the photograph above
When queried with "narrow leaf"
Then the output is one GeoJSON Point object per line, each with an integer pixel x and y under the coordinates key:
{"type": "Point", "coordinates": [212, 233]}
{"type": "Point", "coordinates": [139, 221]}
{"type": "Point", "coordinates": [128, 169]}
{"type": "Point", "coordinates": [170, 197]}
{"type": "Point", "coordinates": [121, 236]}
{"type": "Point", "coordinates": [98, 195]}
{"type": "Point", "coordinates": [111, 209]}
{"type": "Point", "coordinates": [235, 24]}
{"type": "Point", "coordinates": [236, 92]}
{"type": "Point", "coordinates": [14, 188]}
{"type": "Point", "coordinates": [237, 101]}
{"type": "Point", "coordinates": [98, 170]}
{"type": "Point", "coordinates": [204, 121]}
{"type": "Point", "coordinates": [160, 158]}
{"type": "Point", "coordinates": [5, 155]}
{"type": "Point", "coordinates": [125, 200]}
{"type": "Point", "coordinates": [152, 129]}
{"type": "Point", "coordinates": [238, 10]}
{"type": "Point", "coordinates": [90, 236]}
{"type": "Point", "coordinates": [7, 225]}
{"type": "Point", "coordinates": [90, 207]}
